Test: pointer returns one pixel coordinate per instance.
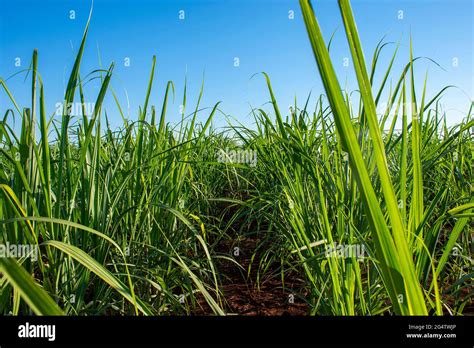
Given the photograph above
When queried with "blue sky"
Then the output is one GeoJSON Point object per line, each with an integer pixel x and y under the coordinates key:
{"type": "Point", "coordinates": [213, 33]}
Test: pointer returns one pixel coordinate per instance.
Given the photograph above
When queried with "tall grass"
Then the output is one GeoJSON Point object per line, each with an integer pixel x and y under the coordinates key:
{"type": "Point", "coordinates": [335, 176]}
{"type": "Point", "coordinates": [105, 208]}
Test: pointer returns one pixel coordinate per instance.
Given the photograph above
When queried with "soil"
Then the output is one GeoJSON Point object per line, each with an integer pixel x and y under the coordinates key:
{"type": "Point", "coordinates": [243, 296]}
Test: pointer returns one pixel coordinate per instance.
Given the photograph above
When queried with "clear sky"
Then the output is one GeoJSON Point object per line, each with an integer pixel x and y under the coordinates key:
{"type": "Point", "coordinates": [261, 34]}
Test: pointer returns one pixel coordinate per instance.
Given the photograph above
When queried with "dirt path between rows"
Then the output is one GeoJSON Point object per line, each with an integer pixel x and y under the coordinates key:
{"type": "Point", "coordinates": [243, 296]}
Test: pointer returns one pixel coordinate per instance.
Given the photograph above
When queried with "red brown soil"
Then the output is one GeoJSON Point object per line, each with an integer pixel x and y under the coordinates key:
{"type": "Point", "coordinates": [242, 296]}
